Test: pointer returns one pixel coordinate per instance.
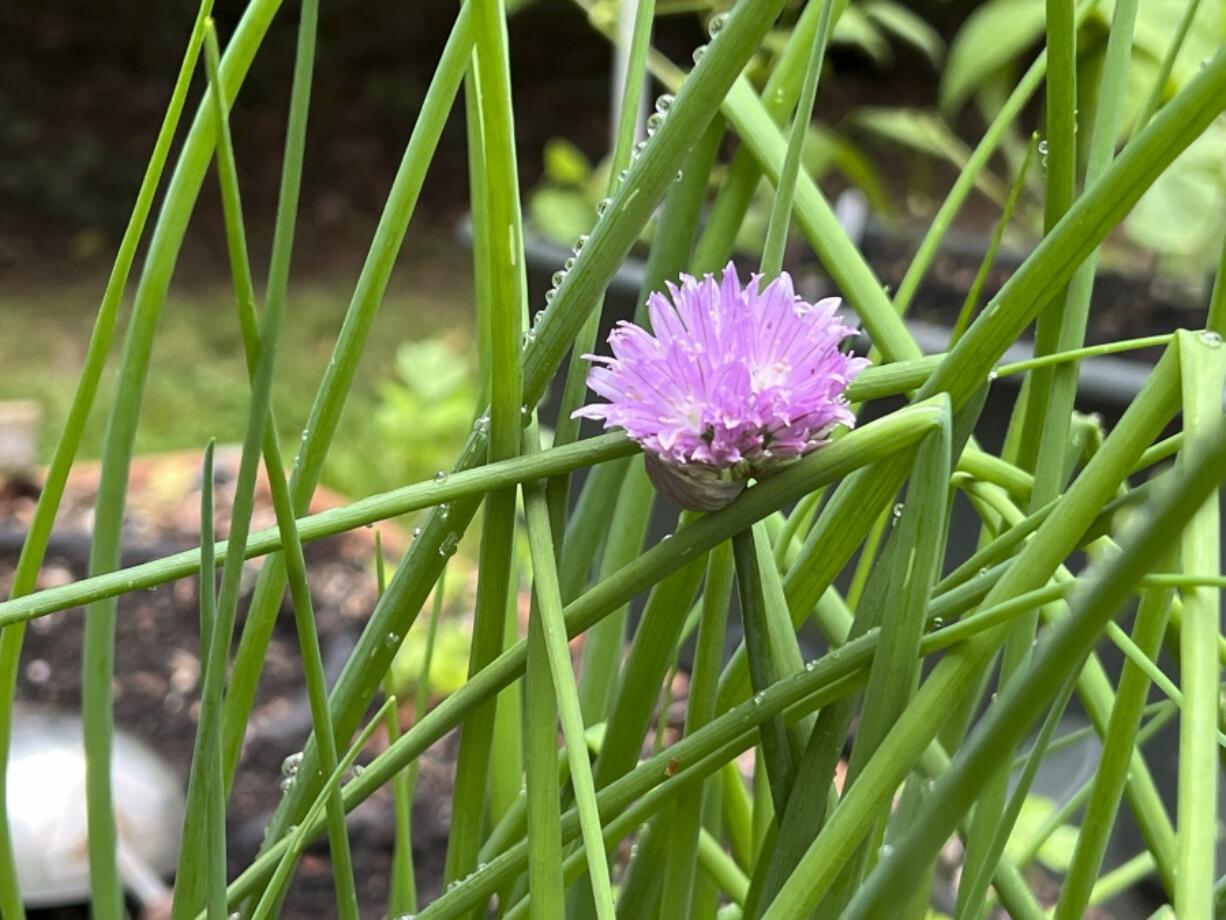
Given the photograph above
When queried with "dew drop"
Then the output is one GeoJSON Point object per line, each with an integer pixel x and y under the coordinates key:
{"type": "Point", "coordinates": [664, 103]}
{"type": "Point", "coordinates": [579, 243]}
{"type": "Point", "coordinates": [992, 375]}
{"type": "Point", "coordinates": [716, 24]}
{"type": "Point", "coordinates": [416, 532]}
{"type": "Point", "coordinates": [677, 178]}
{"type": "Point", "coordinates": [623, 175]}
{"type": "Point", "coordinates": [550, 295]}
{"type": "Point", "coordinates": [654, 122]}
{"type": "Point", "coordinates": [938, 622]}
{"type": "Point", "coordinates": [440, 476]}
{"type": "Point", "coordinates": [896, 512]}
{"type": "Point", "coordinates": [558, 278]}
{"type": "Point", "coordinates": [444, 510]}
{"type": "Point", "coordinates": [391, 640]}
{"type": "Point", "coordinates": [811, 665]}
{"type": "Point", "coordinates": [526, 338]}
{"type": "Point", "coordinates": [1211, 338]}
{"type": "Point", "coordinates": [699, 52]}
{"type": "Point", "coordinates": [759, 697]}
{"type": "Point", "coordinates": [603, 205]}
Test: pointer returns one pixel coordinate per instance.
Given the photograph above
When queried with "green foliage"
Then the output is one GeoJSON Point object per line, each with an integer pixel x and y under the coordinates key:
{"type": "Point", "coordinates": [997, 33]}
{"type": "Point", "coordinates": [423, 414]}
{"type": "Point", "coordinates": [448, 660]}
{"type": "Point", "coordinates": [870, 26]}
{"type": "Point", "coordinates": [1183, 214]}
{"type": "Point", "coordinates": [562, 204]}
{"type": "Point", "coordinates": [1171, 39]}
{"type": "Point", "coordinates": [1056, 853]}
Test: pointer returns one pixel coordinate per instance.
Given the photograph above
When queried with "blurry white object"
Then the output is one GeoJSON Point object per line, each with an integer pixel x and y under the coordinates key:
{"type": "Point", "coordinates": [46, 805]}
{"type": "Point", "coordinates": [851, 211]}
{"type": "Point", "coordinates": [19, 420]}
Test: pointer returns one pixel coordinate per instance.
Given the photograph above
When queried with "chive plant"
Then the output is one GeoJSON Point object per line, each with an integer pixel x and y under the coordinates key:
{"type": "Point", "coordinates": [738, 402]}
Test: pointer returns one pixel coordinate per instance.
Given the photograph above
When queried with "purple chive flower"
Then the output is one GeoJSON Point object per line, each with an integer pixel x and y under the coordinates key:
{"type": "Point", "coordinates": [736, 382]}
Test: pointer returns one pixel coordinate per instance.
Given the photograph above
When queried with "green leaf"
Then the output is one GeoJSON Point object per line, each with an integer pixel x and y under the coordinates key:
{"type": "Point", "coordinates": [908, 27]}
{"type": "Point", "coordinates": [854, 28]}
{"type": "Point", "coordinates": [448, 660]}
{"type": "Point", "coordinates": [992, 36]}
{"type": "Point", "coordinates": [916, 128]}
{"type": "Point", "coordinates": [1057, 852]}
{"type": "Point", "coordinates": [565, 163]}
{"type": "Point", "coordinates": [825, 149]}
{"type": "Point", "coordinates": [432, 369]}
{"type": "Point", "coordinates": [1180, 217]}
{"type": "Point", "coordinates": [1157, 21]}
{"type": "Point", "coordinates": [560, 214]}
{"type": "Point", "coordinates": [928, 133]}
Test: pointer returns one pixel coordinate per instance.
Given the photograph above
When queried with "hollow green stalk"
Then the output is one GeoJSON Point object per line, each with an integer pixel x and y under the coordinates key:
{"type": "Point", "coordinates": [1154, 100]}
{"type": "Point", "coordinates": [1025, 698]}
{"type": "Point", "coordinates": [298, 840]}
{"type": "Point", "coordinates": [1115, 760]}
{"type": "Point", "coordinates": [777, 754]}
{"type": "Point", "coordinates": [567, 428]}
{"type": "Point", "coordinates": [553, 639]}
{"type": "Point", "coordinates": [989, 257]}
{"type": "Point", "coordinates": [1203, 364]}
{"type": "Point", "coordinates": [339, 372]}
{"type": "Point", "coordinates": [215, 832]}
{"type": "Point", "coordinates": [505, 316]}
{"type": "Point", "coordinates": [261, 352]}
{"type": "Point", "coordinates": [33, 550]}
{"type": "Point", "coordinates": [785, 188]}
{"type": "Point", "coordinates": [958, 672]}
{"type": "Point", "coordinates": [684, 830]}
{"type": "Point", "coordinates": [402, 885]}
{"type": "Point", "coordinates": [364, 512]}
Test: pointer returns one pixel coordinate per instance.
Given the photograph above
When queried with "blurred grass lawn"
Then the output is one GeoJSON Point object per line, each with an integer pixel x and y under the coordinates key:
{"type": "Point", "coordinates": [198, 385]}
